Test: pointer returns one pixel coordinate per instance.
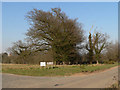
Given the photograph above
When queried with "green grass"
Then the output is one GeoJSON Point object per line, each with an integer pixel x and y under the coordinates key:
{"type": "Point", "coordinates": [35, 70]}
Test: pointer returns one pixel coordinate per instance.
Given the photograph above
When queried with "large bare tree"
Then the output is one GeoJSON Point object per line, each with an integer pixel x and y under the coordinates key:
{"type": "Point", "coordinates": [101, 43]}
{"type": "Point", "coordinates": [53, 30]}
{"type": "Point", "coordinates": [96, 44]}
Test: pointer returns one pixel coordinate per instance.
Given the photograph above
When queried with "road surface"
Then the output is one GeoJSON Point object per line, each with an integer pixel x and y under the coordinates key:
{"type": "Point", "coordinates": [101, 79]}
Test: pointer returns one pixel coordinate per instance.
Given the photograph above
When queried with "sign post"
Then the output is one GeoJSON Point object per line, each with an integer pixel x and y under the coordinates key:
{"type": "Point", "coordinates": [49, 64]}
{"type": "Point", "coordinates": [42, 64]}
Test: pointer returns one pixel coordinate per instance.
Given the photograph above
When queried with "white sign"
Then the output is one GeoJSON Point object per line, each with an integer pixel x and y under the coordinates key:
{"type": "Point", "coordinates": [42, 64]}
{"type": "Point", "coordinates": [49, 63]}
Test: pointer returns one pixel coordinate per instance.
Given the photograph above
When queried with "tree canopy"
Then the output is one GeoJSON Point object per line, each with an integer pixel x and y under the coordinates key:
{"type": "Point", "coordinates": [55, 31]}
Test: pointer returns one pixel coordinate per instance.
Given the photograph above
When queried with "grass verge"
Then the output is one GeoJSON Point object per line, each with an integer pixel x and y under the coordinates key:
{"type": "Point", "coordinates": [35, 70]}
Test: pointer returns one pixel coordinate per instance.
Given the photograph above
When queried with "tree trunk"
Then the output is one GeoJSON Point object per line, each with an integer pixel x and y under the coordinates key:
{"type": "Point", "coordinates": [90, 62]}
{"type": "Point", "coordinates": [97, 62]}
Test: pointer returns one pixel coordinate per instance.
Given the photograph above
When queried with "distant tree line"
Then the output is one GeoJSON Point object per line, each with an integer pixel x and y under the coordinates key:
{"type": "Point", "coordinates": [53, 36]}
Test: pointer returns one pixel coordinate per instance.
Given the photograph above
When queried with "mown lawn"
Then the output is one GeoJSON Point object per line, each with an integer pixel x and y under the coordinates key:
{"type": "Point", "coordinates": [35, 70]}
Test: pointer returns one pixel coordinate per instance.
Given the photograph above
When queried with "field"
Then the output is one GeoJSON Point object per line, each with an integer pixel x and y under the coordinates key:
{"type": "Point", "coordinates": [59, 70]}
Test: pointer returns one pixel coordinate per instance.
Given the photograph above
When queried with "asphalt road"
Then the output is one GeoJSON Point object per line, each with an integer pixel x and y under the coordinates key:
{"type": "Point", "coordinates": [95, 80]}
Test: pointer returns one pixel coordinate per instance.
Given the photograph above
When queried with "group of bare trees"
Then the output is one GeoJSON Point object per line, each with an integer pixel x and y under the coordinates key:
{"type": "Point", "coordinates": [112, 52]}
{"type": "Point", "coordinates": [52, 36]}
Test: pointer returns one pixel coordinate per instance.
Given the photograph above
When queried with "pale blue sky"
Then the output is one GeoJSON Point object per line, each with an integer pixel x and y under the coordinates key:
{"type": "Point", "coordinates": [101, 15]}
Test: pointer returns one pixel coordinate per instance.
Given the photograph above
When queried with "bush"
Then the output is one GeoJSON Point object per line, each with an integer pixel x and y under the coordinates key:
{"type": "Point", "coordinates": [109, 62]}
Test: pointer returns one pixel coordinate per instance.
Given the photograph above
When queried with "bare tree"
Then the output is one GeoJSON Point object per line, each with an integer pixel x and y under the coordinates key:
{"type": "Point", "coordinates": [56, 32]}
{"type": "Point", "coordinates": [112, 52]}
{"type": "Point", "coordinates": [96, 44]}
{"type": "Point", "coordinates": [100, 44]}
{"type": "Point", "coordinates": [5, 58]}
{"type": "Point", "coordinates": [21, 51]}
